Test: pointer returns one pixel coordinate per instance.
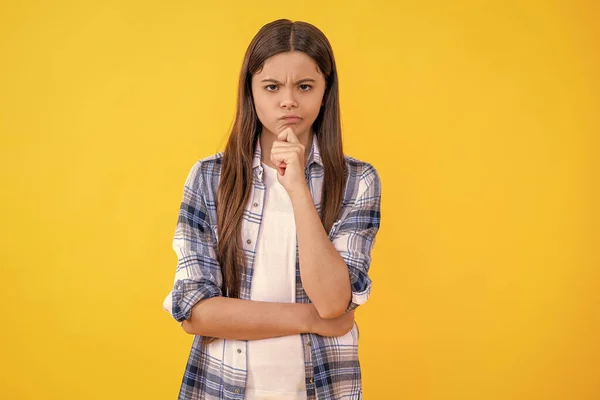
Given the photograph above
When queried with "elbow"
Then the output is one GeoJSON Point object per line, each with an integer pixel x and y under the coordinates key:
{"type": "Point", "coordinates": [187, 327]}
{"type": "Point", "coordinates": [191, 329]}
{"type": "Point", "coordinates": [334, 308]}
{"type": "Point", "coordinates": [331, 312]}
{"type": "Point", "coordinates": [196, 324]}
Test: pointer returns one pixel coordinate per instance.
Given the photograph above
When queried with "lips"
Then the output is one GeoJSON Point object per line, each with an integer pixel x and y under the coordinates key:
{"type": "Point", "coordinates": [292, 118]}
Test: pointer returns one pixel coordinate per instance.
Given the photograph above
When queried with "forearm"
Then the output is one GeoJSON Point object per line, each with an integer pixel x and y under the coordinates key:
{"type": "Point", "coordinates": [228, 318]}
{"type": "Point", "coordinates": [324, 273]}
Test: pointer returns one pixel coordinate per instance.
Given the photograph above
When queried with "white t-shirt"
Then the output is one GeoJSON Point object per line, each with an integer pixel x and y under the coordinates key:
{"type": "Point", "coordinates": [276, 365]}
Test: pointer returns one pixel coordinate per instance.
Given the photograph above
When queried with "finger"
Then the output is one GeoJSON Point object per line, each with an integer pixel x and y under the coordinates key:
{"type": "Point", "coordinates": [288, 135]}
{"type": "Point", "coordinates": [292, 138]}
{"type": "Point", "coordinates": [282, 136]}
{"type": "Point", "coordinates": [297, 155]}
{"type": "Point", "coordinates": [285, 156]}
{"type": "Point", "coordinates": [286, 145]}
{"type": "Point", "coordinates": [279, 165]}
{"type": "Point", "coordinates": [277, 160]}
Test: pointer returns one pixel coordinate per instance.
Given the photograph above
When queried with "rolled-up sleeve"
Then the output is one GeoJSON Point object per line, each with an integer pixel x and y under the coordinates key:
{"type": "Point", "coordinates": [354, 235]}
{"type": "Point", "coordinates": [198, 274]}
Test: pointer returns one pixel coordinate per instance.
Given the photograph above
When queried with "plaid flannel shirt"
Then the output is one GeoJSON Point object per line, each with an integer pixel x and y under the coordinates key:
{"type": "Point", "coordinates": [218, 370]}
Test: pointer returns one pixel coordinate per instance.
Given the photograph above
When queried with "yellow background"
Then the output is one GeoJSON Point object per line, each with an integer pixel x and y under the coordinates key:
{"type": "Point", "coordinates": [481, 118]}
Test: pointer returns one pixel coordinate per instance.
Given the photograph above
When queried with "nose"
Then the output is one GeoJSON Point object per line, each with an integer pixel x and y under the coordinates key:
{"type": "Point", "coordinates": [288, 100]}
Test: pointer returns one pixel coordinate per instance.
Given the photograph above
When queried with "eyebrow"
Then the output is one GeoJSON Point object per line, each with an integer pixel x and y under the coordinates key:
{"type": "Point", "coordinates": [281, 83]}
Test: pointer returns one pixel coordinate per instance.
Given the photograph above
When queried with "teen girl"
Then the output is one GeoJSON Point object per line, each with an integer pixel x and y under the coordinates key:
{"type": "Point", "coordinates": [274, 235]}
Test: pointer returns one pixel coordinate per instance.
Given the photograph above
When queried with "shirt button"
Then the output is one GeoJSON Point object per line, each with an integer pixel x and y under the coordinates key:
{"type": "Point", "coordinates": [308, 343]}
{"type": "Point", "coordinates": [248, 241]}
{"type": "Point", "coordinates": [255, 204]}
{"type": "Point", "coordinates": [239, 351]}
{"type": "Point", "coordinates": [237, 390]}
{"type": "Point", "coordinates": [310, 380]}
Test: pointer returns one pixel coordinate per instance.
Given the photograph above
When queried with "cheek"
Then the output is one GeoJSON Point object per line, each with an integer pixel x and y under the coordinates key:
{"type": "Point", "coordinates": [313, 107]}
{"type": "Point", "coordinates": [266, 113]}
{"type": "Point", "coordinates": [261, 107]}
{"type": "Point", "coordinates": [263, 101]}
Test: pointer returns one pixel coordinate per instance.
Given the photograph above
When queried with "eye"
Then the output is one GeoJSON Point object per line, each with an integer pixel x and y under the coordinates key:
{"type": "Point", "coordinates": [305, 88]}
{"type": "Point", "coordinates": [271, 86]}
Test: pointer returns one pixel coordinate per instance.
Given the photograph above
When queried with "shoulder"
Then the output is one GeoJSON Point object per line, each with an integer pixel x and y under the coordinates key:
{"type": "Point", "coordinates": [362, 173]}
{"type": "Point", "coordinates": [362, 193]}
{"type": "Point", "coordinates": [205, 171]}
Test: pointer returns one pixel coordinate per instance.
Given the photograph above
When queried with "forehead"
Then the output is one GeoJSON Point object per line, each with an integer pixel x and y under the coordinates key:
{"type": "Point", "coordinates": [289, 63]}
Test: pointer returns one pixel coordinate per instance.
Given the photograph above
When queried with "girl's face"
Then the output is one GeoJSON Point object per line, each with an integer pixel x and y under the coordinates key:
{"type": "Point", "coordinates": [289, 84]}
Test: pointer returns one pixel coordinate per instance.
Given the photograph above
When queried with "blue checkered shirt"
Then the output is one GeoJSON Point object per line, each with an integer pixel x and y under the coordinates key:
{"type": "Point", "coordinates": [218, 370]}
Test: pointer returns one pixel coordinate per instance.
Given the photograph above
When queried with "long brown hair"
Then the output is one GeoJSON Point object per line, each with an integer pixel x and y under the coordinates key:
{"type": "Point", "coordinates": [236, 174]}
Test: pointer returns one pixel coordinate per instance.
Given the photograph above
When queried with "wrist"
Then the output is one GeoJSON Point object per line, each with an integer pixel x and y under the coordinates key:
{"type": "Point", "coordinates": [310, 318]}
{"type": "Point", "coordinates": [300, 193]}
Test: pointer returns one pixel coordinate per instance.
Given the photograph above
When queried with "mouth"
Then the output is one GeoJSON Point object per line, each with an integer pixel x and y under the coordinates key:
{"type": "Point", "coordinates": [291, 120]}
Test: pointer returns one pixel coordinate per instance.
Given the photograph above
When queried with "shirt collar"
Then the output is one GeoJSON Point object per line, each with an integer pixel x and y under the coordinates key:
{"type": "Point", "coordinates": [313, 157]}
